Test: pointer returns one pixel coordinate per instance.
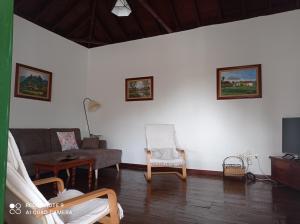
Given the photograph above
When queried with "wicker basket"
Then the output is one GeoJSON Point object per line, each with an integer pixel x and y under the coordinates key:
{"type": "Point", "coordinates": [234, 169]}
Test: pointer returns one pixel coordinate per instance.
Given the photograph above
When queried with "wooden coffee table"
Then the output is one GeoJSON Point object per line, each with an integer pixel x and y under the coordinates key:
{"type": "Point", "coordinates": [56, 165]}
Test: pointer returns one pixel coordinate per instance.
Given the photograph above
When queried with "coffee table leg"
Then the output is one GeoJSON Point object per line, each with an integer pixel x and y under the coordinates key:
{"type": "Point", "coordinates": [90, 175]}
{"type": "Point", "coordinates": [73, 176]}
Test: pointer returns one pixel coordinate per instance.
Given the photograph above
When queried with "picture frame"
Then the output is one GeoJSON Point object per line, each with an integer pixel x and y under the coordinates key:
{"type": "Point", "coordinates": [139, 88]}
{"type": "Point", "coordinates": [239, 82]}
{"type": "Point", "coordinates": [32, 83]}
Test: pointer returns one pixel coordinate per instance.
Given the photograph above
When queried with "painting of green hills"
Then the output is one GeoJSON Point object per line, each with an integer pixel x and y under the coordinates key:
{"type": "Point", "coordinates": [239, 82]}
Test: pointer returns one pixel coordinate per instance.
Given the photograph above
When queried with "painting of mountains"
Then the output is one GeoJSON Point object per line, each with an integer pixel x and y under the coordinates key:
{"type": "Point", "coordinates": [32, 83]}
{"type": "Point", "coordinates": [239, 82]}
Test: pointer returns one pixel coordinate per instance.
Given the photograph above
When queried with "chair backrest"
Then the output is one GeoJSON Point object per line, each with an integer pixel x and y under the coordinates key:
{"type": "Point", "coordinates": [160, 136]}
{"type": "Point", "coordinates": [22, 191]}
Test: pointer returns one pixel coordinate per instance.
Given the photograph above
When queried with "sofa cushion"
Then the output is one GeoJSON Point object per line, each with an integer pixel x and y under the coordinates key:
{"type": "Point", "coordinates": [55, 144]}
{"type": "Point", "coordinates": [90, 143]}
{"type": "Point", "coordinates": [103, 157]}
{"type": "Point", "coordinates": [32, 141]}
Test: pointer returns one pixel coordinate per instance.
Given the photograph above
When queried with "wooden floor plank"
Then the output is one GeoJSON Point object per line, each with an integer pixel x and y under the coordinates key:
{"type": "Point", "coordinates": [208, 200]}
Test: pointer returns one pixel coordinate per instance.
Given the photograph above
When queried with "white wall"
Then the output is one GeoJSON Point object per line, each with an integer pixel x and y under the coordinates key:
{"type": "Point", "coordinates": [184, 69]}
{"type": "Point", "coordinates": [37, 47]}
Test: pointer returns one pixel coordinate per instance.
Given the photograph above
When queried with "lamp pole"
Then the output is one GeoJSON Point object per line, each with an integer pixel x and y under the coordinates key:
{"type": "Point", "coordinates": [86, 117]}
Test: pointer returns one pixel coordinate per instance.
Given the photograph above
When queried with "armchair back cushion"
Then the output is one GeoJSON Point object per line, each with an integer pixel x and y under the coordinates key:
{"type": "Point", "coordinates": [161, 141]}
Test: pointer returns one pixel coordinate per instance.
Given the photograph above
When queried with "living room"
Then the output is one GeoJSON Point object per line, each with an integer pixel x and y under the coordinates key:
{"type": "Point", "coordinates": [185, 94]}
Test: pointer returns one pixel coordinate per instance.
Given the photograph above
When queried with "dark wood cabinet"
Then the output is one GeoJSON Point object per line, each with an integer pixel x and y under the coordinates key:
{"type": "Point", "coordinates": [286, 171]}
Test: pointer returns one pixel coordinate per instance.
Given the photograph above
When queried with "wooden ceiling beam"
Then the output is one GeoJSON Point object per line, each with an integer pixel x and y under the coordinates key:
{"type": "Point", "coordinates": [68, 9]}
{"type": "Point", "coordinates": [117, 21]}
{"type": "Point", "coordinates": [79, 27]}
{"type": "Point", "coordinates": [18, 4]}
{"type": "Point", "coordinates": [221, 12]}
{"type": "Point", "coordinates": [84, 41]}
{"type": "Point", "coordinates": [105, 29]}
{"type": "Point", "coordinates": [146, 6]}
{"type": "Point", "coordinates": [136, 19]}
{"type": "Point", "coordinates": [174, 13]}
{"type": "Point", "coordinates": [92, 19]}
{"type": "Point", "coordinates": [244, 9]}
{"type": "Point", "coordinates": [270, 6]}
{"type": "Point", "coordinates": [43, 10]}
{"type": "Point", "coordinates": [199, 20]}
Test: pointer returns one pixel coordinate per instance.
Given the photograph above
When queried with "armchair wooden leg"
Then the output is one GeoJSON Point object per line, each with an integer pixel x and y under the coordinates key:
{"type": "Point", "coordinates": [184, 172]}
{"type": "Point", "coordinates": [148, 174]}
{"type": "Point", "coordinates": [117, 166]}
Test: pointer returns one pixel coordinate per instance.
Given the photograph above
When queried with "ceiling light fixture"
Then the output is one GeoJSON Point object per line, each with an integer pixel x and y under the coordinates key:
{"type": "Point", "coordinates": [121, 8]}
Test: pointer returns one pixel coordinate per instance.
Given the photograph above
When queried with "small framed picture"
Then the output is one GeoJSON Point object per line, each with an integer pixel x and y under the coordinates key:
{"type": "Point", "coordinates": [140, 88]}
{"type": "Point", "coordinates": [239, 82]}
{"type": "Point", "coordinates": [33, 83]}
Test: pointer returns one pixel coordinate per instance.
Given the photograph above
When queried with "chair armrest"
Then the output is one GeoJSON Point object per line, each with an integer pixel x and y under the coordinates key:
{"type": "Point", "coordinates": [181, 152]}
{"type": "Point", "coordinates": [59, 181]}
{"type": "Point", "coordinates": [112, 200]}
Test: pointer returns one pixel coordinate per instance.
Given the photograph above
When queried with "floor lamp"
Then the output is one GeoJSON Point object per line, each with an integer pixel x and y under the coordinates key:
{"type": "Point", "coordinates": [92, 106]}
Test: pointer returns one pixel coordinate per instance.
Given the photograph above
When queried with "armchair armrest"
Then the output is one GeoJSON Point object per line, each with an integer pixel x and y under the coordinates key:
{"type": "Point", "coordinates": [59, 181]}
{"type": "Point", "coordinates": [112, 200]}
{"type": "Point", "coordinates": [149, 154]}
{"type": "Point", "coordinates": [181, 152]}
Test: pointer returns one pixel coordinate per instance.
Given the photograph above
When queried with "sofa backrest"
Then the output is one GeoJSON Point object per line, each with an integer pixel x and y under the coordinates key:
{"type": "Point", "coordinates": [55, 144]}
{"type": "Point", "coordinates": [32, 141]}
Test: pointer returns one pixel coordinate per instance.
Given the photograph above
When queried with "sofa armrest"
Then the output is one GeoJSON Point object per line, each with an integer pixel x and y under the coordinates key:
{"type": "Point", "coordinates": [102, 144]}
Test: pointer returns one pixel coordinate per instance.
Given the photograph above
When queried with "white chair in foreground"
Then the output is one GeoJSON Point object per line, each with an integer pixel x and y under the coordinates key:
{"type": "Point", "coordinates": [25, 204]}
{"type": "Point", "coordinates": [161, 150]}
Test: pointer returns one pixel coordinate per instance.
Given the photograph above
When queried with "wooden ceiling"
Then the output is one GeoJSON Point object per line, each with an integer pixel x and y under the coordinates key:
{"type": "Point", "coordinates": [91, 23]}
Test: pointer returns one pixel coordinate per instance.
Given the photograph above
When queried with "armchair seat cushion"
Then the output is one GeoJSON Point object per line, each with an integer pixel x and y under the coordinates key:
{"type": "Point", "coordinates": [86, 212]}
{"type": "Point", "coordinates": [179, 162]}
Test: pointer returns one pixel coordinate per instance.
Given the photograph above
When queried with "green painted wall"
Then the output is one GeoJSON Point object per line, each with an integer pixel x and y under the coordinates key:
{"type": "Point", "coordinates": [6, 24]}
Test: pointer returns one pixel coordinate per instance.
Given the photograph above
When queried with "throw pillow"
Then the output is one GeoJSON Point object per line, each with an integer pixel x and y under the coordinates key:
{"type": "Point", "coordinates": [67, 140]}
{"type": "Point", "coordinates": [90, 143]}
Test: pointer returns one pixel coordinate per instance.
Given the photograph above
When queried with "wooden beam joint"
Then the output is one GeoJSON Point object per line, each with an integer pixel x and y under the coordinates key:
{"type": "Point", "coordinates": [155, 15]}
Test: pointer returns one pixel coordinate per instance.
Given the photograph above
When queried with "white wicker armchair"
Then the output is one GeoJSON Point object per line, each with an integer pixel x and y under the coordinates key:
{"type": "Point", "coordinates": [25, 204]}
{"type": "Point", "coordinates": [162, 151]}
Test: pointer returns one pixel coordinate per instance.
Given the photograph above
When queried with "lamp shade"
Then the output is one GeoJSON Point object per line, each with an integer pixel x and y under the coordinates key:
{"type": "Point", "coordinates": [93, 105]}
{"type": "Point", "coordinates": [121, 8]}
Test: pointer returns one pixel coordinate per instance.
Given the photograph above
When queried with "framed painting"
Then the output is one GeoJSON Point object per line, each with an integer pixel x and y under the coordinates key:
{"type": "Point", "coordinates": [140, 88]}
{"type": "Point", "coordinates": [32, 83]}
{"type": "Point", "coordinates": [239, 82]}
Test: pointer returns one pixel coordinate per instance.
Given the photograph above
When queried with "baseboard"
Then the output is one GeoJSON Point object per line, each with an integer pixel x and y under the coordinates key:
{"type": "Point", "coordinates": [195, 172]}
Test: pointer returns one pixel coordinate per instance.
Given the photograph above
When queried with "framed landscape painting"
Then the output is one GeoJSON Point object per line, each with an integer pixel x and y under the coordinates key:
{"type": "Point", "coordinates": [32, 83]}
{"type": "Point", "coordinates": [140, 88]}
{"type": "Point", "coordinates": [239, 82]}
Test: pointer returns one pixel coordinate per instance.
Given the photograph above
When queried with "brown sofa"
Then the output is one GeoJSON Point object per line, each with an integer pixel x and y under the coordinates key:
{"type": "Point", "coordinates": [43, 145]}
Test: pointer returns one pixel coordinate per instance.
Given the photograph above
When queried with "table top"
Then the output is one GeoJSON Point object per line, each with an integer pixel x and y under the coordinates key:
{"type": "Point", "coordinates": [65, 162]}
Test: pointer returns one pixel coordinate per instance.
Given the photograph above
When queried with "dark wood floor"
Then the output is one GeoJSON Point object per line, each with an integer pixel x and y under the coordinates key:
{"type": "Point", "coordinates": [207, 200]}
